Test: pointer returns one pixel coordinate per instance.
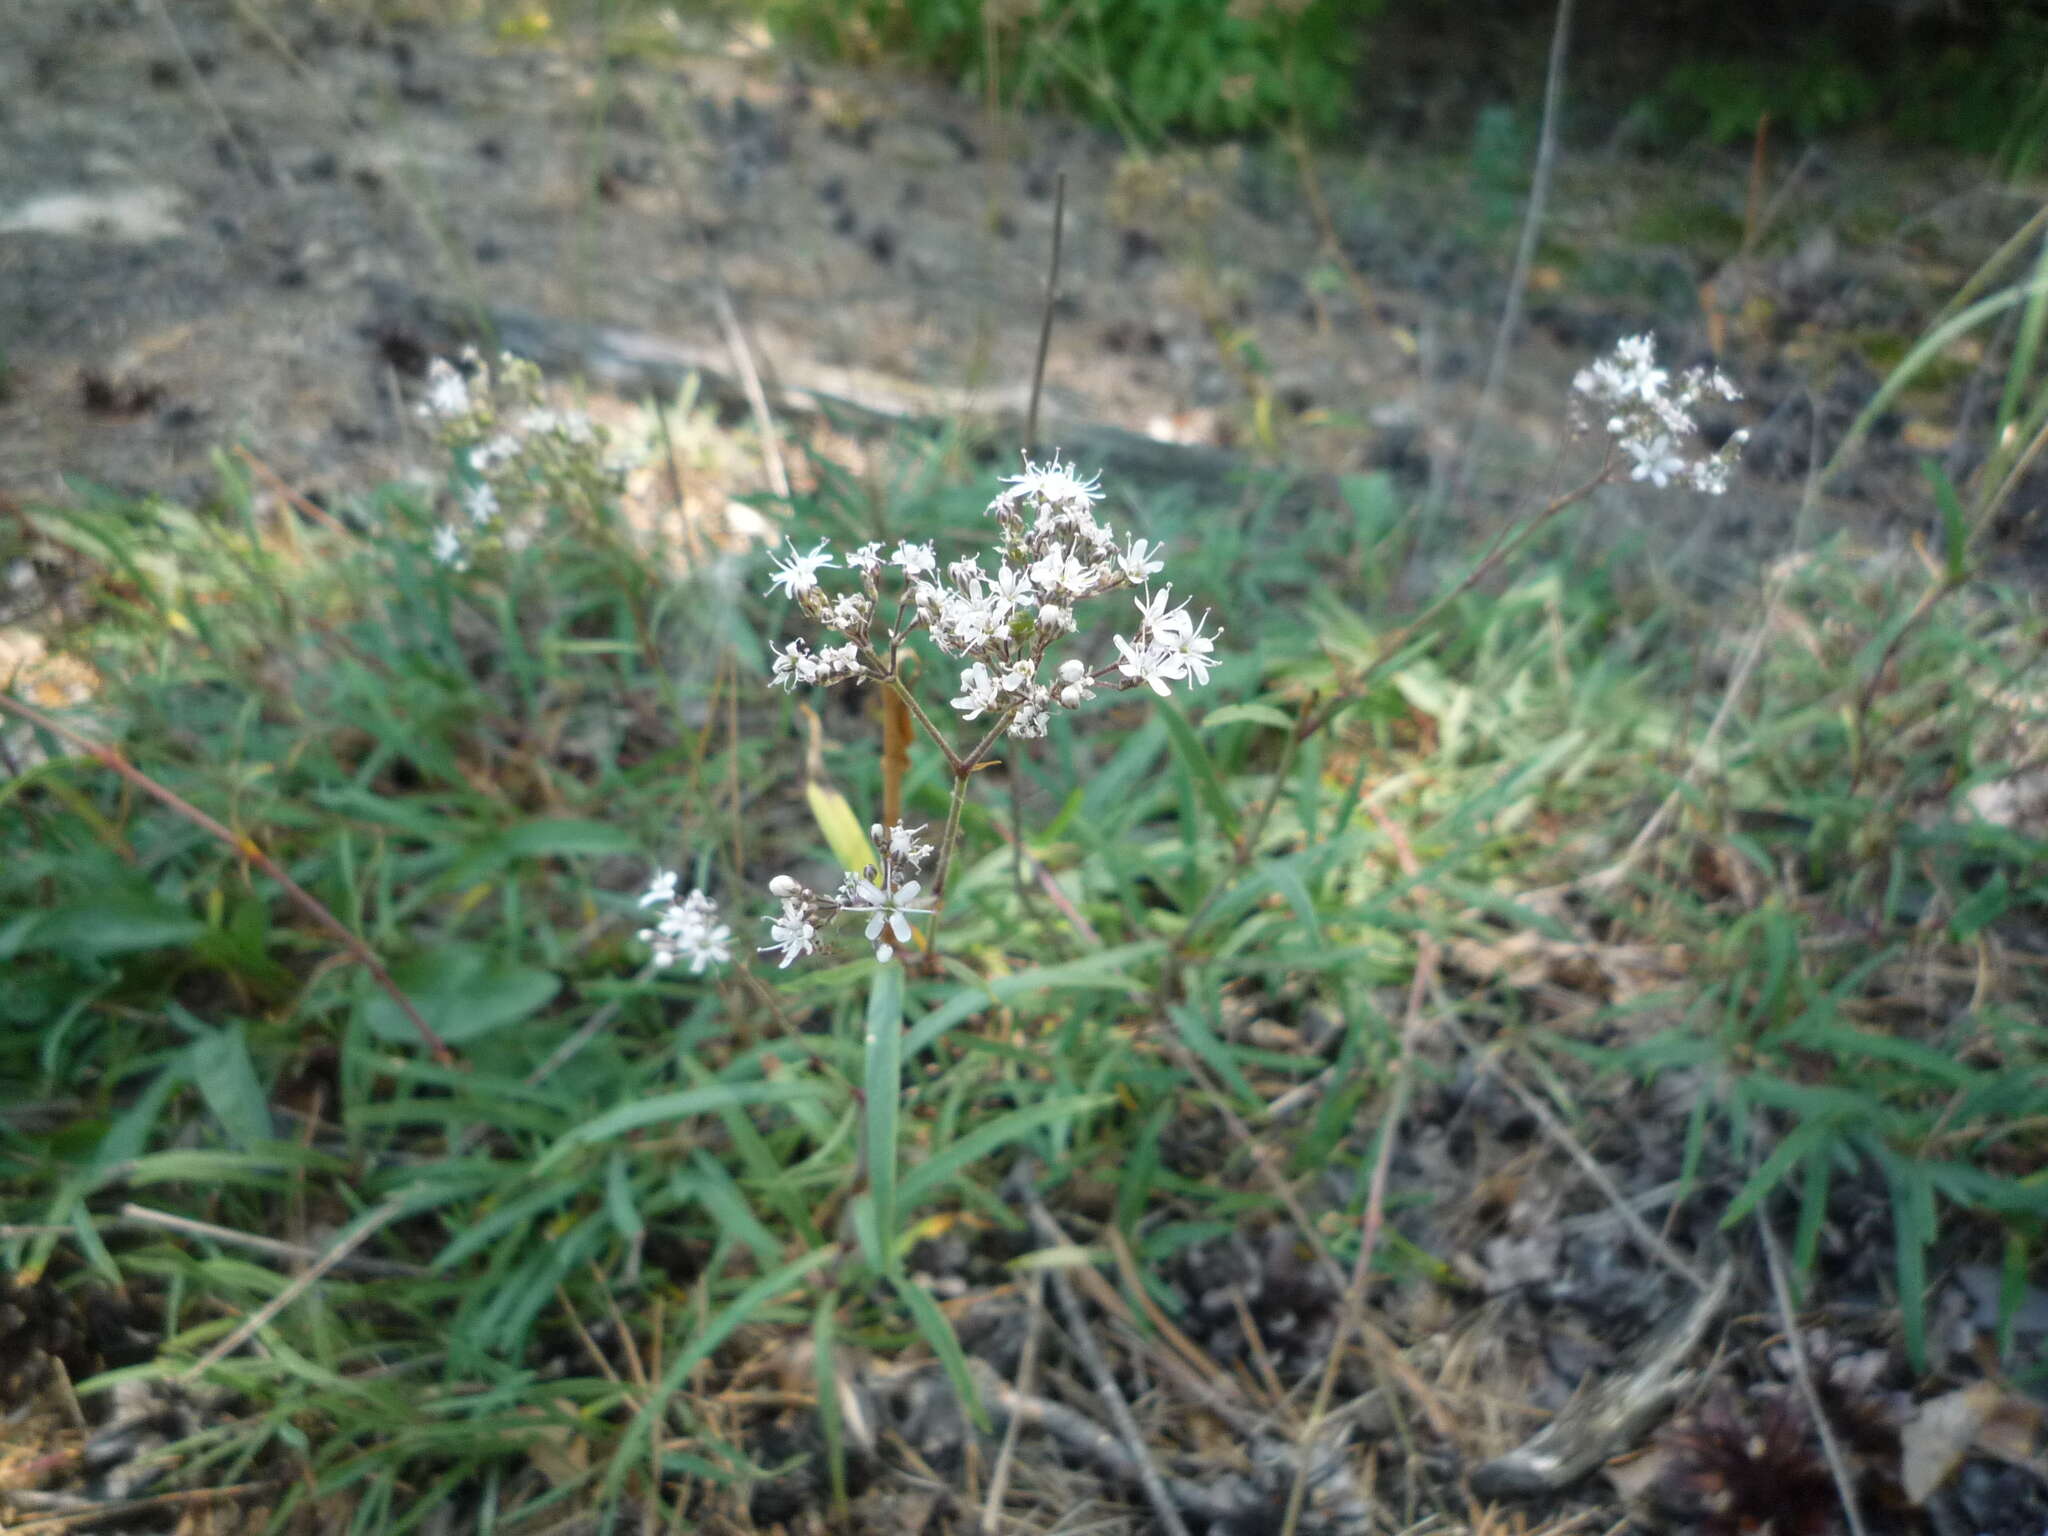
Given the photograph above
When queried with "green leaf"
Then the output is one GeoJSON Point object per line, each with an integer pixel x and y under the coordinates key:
{"type": "Point", "coordinates": [1955, 524]}
{"type": "Point", "coordinates": [1247, 714]}
{"type": "Point", "coordinates": [1205, 1043]}
{"type": "Point", "coordinates": [130, 1132]}
{"type": "Point", "coordinates": [825, 1366]}
{"type": "Point", "coordinates": [462, 993]}
{"type": "Point", "coordinates": [1801, 1140]}
{"type": "Point", "coordinates": [220, 1065]}
{"type": "Point", "coordinates": [926, 1179]}
{"type": "Point", "coordinates": [1106, 969]}
{"type": "Point", "coordinates": [713, 1188]}
{"type": "Point", "coordinates": [883, 1084]}
{"type": "Point", "coordinates": [736, 1314]}
{"type": "Point", "coordinates": [112, 925]}
{"type": "Point", "coordinates": [618, 1197]}
{"type": "Point", "coordinates": [709, 1099]}
{"type": "Point", "coordinates": [1981, 908]}
{"type": "Point", "coordinates": [560, 839]}
{"type": "Point", "coordinates": [1195, 761]}
{"type": "Point", "coordinates": [938, 1333]}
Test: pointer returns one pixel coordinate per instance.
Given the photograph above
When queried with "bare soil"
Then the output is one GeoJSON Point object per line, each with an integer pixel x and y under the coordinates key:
{"type": "Point", "coordinates": [203, 214]}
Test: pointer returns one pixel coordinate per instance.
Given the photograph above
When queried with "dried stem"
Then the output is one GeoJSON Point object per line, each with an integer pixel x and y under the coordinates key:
{"type": "Point", "coordinates": [1802, 1371]}
{"type": "Point", "coordinates": [110, 758]}
{"type": "Point", "coordinates": [1052, 293]}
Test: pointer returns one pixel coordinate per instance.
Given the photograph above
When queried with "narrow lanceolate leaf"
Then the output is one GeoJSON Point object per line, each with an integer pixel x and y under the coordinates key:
{"type": "Point", "coordinates": [661, 1109]}
{"type": "Point", "coordinates": [1199, 767]}
{"type": "Point", "coordinates": [883, 1081]}
{"type": "Point", "coordinates": [938, 1333]}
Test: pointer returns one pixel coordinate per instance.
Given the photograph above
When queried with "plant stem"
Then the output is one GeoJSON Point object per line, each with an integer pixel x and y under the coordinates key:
{"type": "Point", "coordinates": [947, 839]}
{"type": "Point", "coordinates": [1314, 716]}
{"type": "Point", "coordinates": [895, 684]}
{"type": "Point", "coordinates": [110, 758]}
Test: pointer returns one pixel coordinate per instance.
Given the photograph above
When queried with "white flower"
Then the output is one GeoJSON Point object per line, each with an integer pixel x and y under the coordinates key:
{"type": "Point", "coordinates": [793, 664]}
{"type": "Point", "coordinates": [964, 623]}
{"type": "Point", "coordinates": [978, 693]}
{"type": "Point", "coordinates": [1055, 619]}
{"type": "Point", "coordinates": [447, 391]}
{"type": "Point", "coordinates": [1190, 650]}
{"type": "Point", "coordinates": [915, 559]}
{"type": "Point", "coordinates": [500, 449]}
{"type": "Point", "coordinates": [848, 614]}
{"type": "Point", "coordinates": [890, 910]}
{"type": "Point", "coordinates": [1059, 572]}
{"type": "Point", "coordinates": [1053, 484]}
{"type": "Point", "coordinates": [867, 559]}
{"type": "Point", "coordinates": [573, 425]}
{"type": "Point", "coordinates": [1657, 459]}
{"type": "Point", "coordinates": [1156, 620]}
{"type": "Point", "coordinates": [1140, 562]}
{"type": "Point", "coordinates": [902, 843]}
{"type": "Point", "coordinates": [687, 930]}
{"type": "Point", "coordinates": [1033, 715]}
{"type": "Point", "coordinates": [1010, 591]}
{"type": "Point", "coordinates": [1075, 687]}
{"type": "Point", "coordinates": [1650, 421]}
{"type": "Point", "coordinates": [1149, 665]}
{"type": "Point", "coordinates": [835, 664]}
{"type": "Point", "coordinates": [792, 932]}
{"type": "Point", "coordinates": [448, 548]}
{"type": "Point", "coordinates": [797, 574]}
{"type": "Point", "coordinates": [481, 503]}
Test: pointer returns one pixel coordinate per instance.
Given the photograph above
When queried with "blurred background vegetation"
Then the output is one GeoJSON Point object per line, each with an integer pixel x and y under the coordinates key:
{"type": "Point", "coordinates": [1971, 77]}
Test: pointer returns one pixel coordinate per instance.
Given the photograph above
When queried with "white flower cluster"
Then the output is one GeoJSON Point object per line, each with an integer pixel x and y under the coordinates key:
{"type": "Point", "coordinates": [688, 929]}
{"type": "Point", "coordinates": [520, 452]}
{"type": "Point", "coordinates": [1650, 422]}
{"type": "Point", "coordinates": [1052, 554]}
{"type": "Point", "coordinates": [887, 896]}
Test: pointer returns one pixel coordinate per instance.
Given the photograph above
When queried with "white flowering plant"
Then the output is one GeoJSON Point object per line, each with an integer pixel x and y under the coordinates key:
{"type": "Point", "coordinates": [1004, 622]}
{"type": "Point", "coordinates": [517, 459]}
{"type": "Point", "coordinates": [1648, 416]}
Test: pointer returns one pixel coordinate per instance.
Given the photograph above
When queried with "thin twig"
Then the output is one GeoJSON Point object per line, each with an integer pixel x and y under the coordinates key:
{"type": "Point", "coordinates": [1049, 884]}
{"type": "Point", "coordinates": [757, 397]}
{"type": "Point", "coordinates": [111, 758]}
{"type": "Point", "coordinates": [1295, 137]}
{"type": "Point", "coordinates": [1774, 592]}
{"type": "Point", "coordinates": [1090, 1350]}
{"type": "Point", "coordinates": [305, 505]}
{"type": "Point", "coordinates": [1525, 247]}
{"type": "Point", "coordinates": [1052, 294]}
{"type": "Point", "coordinates": [122, 1508]}
{"type": "Point", "coordinates": [1317, 711]}
{"type": "Point", "coordinates": [1599, 1177]}
{"type": "Point", "coordinates": [1352, 1319]}
{"type": "Point", "coordinates": [144, 1216]}
{"type": "Point", "coordinates": [1781, 1292]}
{"type": "Point", "coordinates": [1027, 1383]}
{"type": "Point", "coordinates": [232, 139]}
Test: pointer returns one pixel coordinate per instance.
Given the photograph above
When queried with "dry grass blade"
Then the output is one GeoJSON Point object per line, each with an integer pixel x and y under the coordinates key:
{"type": "Point", "coordinates": [1027, 1382]}
{"type": "Point", "coordinates": [1802, 1371]}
